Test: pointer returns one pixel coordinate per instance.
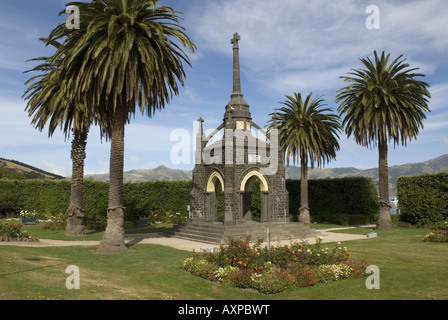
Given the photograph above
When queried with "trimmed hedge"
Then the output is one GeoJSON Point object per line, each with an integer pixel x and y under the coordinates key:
{"type": "Point", "coordinates": [52, 197]}
{"type": "Point", "coordinates": [423, 198]}
{"type": "Point", "coordinates": [346, 201]}
{"type": "Point", "coordinates": [342, 201]}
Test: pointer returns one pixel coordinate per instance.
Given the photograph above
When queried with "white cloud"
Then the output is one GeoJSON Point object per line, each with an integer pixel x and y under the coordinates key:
{"type": "Point", "coordinates": [298, 44]}
{"type": "Point", "coordinates": [445, 142]}
{"type": "Point", "coordinates": [192, 95]}
{"type": "Point", "coordinates": [439, 96]}
{"type": "Point", "coordinates": [62, 170]}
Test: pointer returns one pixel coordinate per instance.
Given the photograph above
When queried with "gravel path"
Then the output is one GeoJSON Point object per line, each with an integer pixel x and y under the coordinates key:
{"type": "Point", "coordinates": [181, 244]}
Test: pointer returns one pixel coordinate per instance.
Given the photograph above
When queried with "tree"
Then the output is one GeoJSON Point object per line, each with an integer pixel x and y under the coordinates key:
{"type": "Point", "coordinates": [384, 102]}
{"type": "Point", "coordinates": [308, 133]}
{"type": "Point", "coordinates": [128, 56]}
{"type": "Point", "coordinates": [50, 103]}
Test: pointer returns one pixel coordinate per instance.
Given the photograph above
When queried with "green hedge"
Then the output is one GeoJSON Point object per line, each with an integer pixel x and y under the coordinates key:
{"type": "Point", "coordinates": [346, 201]}
{"type": "Point", "coordinates": [53, 196]}
{"type": "Point", "coordinates": [423, 199]}
{"type": "Point", "coordinates": [342, 201]}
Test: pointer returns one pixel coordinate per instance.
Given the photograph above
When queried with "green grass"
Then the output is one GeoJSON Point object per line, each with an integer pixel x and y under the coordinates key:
{"type": "Point", "coordinates": [37, 231]}
{"type": "Point", "coordinates": [410, 269]}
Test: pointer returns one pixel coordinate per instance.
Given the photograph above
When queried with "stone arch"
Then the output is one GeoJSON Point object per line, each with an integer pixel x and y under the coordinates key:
{"type": "Point", "coordinates": [246, 196]}
{"type": "Point", "coordinates": [263, 182]}
{"type": "Point", "coordinates": [211, 202]}
{"type": "Point", "coordinates": [210, 187]}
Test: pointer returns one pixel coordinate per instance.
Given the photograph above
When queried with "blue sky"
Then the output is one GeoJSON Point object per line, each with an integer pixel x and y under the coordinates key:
{"type": "Point", "coordinates": [286, 46]}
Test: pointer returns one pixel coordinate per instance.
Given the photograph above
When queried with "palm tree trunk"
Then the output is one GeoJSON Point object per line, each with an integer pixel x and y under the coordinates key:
{"type": "Point", "coordinates": [304, 215]}
{"type": "Point", "coordinates": [113, 238]}
{"type": "Point", "coordinates": [75, 212]}
{"type": "Point", "coordinates": [384, 220]}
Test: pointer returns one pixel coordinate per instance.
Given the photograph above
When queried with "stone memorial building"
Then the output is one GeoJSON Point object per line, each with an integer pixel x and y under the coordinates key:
{"type": "Point", "coordinates": [232, 163]}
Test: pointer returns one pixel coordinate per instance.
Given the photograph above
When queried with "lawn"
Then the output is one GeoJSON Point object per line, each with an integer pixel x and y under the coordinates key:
{"type": "Point", "coordinates": [410, 269]}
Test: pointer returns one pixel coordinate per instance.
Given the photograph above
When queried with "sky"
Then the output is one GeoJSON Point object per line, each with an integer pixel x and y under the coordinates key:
{"type": "Point", "coordinates": [286, 46]}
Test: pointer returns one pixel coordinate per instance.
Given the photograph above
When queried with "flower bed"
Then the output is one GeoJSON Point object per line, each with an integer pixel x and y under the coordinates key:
{"type": "Point", "coordinates": [440, 234]}
{"type": "Point", "coordinates": [13, 232]}
{"type": "Point", "coordinates": [276, 269]}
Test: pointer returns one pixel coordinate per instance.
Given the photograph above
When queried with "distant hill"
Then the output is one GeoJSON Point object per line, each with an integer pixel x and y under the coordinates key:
{"type": "Point", "coordinates": [431, 166]}
{"type": "Point", "coordinates": [12, 169]}
{"type": "Point", "coordinates": [436, 165]}
{"type": "Point", "coordinates": [159, 173]}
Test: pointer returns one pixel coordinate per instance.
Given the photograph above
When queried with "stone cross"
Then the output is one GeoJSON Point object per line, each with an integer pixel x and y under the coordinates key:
{"type": "Point", "coordinates": [234, 40]}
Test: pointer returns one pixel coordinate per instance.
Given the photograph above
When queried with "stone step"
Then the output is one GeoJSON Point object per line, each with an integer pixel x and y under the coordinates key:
{"type": "Point", "coordinates": [219, 233]}
{"type": "Point", "coordinates": [208, 233]}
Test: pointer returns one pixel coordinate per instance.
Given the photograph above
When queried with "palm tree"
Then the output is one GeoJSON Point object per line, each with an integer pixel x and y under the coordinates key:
{"type": "Point", "coordinates": [50, 103]}
{"type": "Point", "coordinates": [127, 57]}
{"type": "Point", "coordinates": [308, 133]}
{"type": "Point", "coordinates": [384, 102]}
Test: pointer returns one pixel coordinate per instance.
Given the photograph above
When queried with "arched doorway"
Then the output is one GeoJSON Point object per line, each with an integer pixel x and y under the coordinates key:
{"type": "Point", "coordinates": [214, 193]}
{"type": "Point", "coordinates": [253, 182]}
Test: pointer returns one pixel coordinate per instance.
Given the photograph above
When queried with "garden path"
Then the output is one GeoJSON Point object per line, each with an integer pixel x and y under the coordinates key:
{"type": "Point", "coordinates": [181, 244]}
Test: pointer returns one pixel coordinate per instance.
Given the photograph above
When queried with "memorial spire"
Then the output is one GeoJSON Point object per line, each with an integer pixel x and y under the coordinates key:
{"type": "Point", "coordinates": [236, 64]}
{"type": "Point", "coordinates": [237, 115]}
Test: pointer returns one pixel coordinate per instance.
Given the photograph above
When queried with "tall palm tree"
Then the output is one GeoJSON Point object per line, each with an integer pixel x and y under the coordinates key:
{"type": "Point", "coordinates": [50, 103]}
{"type": "Point", "coordinates": [308, 133]}
{"type": "Point", "coordinates": [384, 102]}
{"type": "Point", "coordinates": [128, 56]}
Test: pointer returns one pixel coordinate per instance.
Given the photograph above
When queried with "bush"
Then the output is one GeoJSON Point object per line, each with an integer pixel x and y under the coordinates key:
{"type": "Point", "coordinates": [277, 269]}
{"type": "Point", "coordinates": [167, 217]}
{"type": "Point", "coordinates": [13, 232]}
{"type": "Point", "coordinates": [56, 223]}
{"type": "Point", "coordinates": [345, 201]}
{"type": "Point", "coordinates": [9, 203]}
{"type": "Point", "coordinates": [423, 199]}
{"type": "Point", "coordinates": [440, 234]}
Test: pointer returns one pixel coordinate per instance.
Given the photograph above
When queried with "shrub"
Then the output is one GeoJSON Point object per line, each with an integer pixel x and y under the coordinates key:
{"type": "Point", "coordinates": [56, 223]}
{"type": "Point", "coordinates": [9, 203]}
{"type": "Point", "coordinates": [344, 201]}
{"type": "Point", "coordinates": [336, 271]}
{"type": "Point", "coordinates": [201, 268]}
{"type": "Point", "coordinates": [423, 198]}
{"type": "Point", "coordinates": [241, 278]}
{"type": "Point", "coordinates": [440, 234]}
{"type": "Point", "coordinates": [32, 214]}
{"type": "Point", "coordinates": [13, 232]}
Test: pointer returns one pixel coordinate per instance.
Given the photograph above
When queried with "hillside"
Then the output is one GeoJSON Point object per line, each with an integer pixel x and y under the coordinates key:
{"type": "Point", "coordinates": [12, 169]}
{"type": "Point", "coordinates": [159, 173]}
{"type": "Point", "coordinates": [436, 165]}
